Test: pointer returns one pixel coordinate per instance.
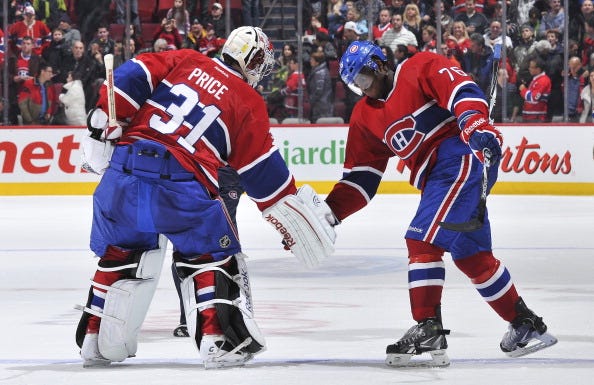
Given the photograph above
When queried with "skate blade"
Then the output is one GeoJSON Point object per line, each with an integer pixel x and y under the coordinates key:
{"type": "Point", "coordinates": [538, 342]}
{"type": "Point", "coordinates": [439, 359]}
{"type": "Point", "coordinates": [96, 363]}
{"type": "Point", "coordinates": [226, 363]}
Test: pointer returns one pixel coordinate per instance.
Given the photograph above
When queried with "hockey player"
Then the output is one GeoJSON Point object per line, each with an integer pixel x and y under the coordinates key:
{"type": "Point", "coordinates": [435, 118]}
{"type": "Point", "coordinates": [186, 116]}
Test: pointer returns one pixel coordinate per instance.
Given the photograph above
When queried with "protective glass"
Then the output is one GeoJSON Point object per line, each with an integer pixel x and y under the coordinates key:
{"type": "Point", "coordinates": [363, 80]}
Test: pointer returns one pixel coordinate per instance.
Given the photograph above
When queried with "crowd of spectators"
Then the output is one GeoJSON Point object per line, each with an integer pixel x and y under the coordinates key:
{"type": "Point", "coordinates": [49, 56]}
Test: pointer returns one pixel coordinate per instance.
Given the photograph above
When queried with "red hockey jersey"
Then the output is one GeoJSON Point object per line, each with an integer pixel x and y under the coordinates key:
{"type": "Point", "coordinates": [536, 98]}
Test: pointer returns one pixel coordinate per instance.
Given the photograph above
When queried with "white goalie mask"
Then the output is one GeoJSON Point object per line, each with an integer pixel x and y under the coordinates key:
{"type": "Point", "coordinates": [250, 47]}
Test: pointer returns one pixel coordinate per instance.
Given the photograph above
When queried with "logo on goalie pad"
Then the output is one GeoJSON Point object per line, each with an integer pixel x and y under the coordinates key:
{"type": "Point", "coordinates": [278, 225]}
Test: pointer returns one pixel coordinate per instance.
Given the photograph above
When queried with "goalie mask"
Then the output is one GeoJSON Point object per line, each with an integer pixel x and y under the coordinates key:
{"type": "Point", "coordinates": [357, 65]}
{"type": "Point", "coordinates": [252, 50]}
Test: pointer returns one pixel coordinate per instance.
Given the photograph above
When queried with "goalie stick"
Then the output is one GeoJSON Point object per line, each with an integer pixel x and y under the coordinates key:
{"type": "Point", "coordinates": [111, 114]}
{"type": "Point", "coordinates": [478, 221]}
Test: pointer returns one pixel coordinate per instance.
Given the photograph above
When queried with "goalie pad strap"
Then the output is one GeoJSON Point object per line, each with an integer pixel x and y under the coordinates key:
{"type": "Point", "coordinates": [232, 301]}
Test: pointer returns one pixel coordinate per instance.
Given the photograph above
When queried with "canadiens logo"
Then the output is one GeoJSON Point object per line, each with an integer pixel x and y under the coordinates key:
{"type": "Point", "coordinates": [402, 138]}
{"type": "Point", "coordinates": [353, 48]}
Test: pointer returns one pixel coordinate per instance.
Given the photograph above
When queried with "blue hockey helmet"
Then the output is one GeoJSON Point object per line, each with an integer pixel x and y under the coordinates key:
{"type": "Point", "coordinates": [359, 54]}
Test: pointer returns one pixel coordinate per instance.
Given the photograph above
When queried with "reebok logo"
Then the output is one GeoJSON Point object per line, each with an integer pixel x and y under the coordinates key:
{"type": "Point", "coordinates": [415, 229]}
{"type": "Point", "coordinates": [477, 123]}
{"type": "Point", "coordinates": [278, 225]}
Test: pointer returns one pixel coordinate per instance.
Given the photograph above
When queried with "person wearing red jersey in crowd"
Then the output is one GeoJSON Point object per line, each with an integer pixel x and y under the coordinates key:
{"type": "Point", "coordinates": [169, 32]}
{"type": "Point", "coordinates": [435, 119]}
{"type": "Point", "coordinates": [536, 94]}
{"type": "Point", "coordinates": [384, 24]}
{"type": "Point", "coordinates": [37, 30]}
{"type": "Point", "coordinates": [37, 98]}
{"type": "Point", "coordinates": [210, 45]}
{"type": "Point", "coordinates": [187, 116]}
{"type": "Point", "coordinates": [22, 66]}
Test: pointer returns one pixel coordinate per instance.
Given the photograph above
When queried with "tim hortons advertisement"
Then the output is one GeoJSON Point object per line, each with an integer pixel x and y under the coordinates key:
{"type": "Point", "coordinates": [536, 160]}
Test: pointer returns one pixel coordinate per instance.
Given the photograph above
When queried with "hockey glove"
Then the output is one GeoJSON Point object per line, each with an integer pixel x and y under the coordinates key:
{"type": "Point", "coordinates": [482, 138]}
{"type": "Point", "coordinates": [97, 123]}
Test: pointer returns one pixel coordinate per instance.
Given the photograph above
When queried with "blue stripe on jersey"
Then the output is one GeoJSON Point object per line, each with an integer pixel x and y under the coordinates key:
{"type": "Point", "coordinates": [496, 286]}
{"type": "Point", "coordinates": [426, 274]}
{"type": "Point", "coordinates": [132, 80]}
{"type": "Point", "coordinates": [98, 302]}
{"type": "Point", "coordinates": [429, 118]}
{"type": "Point", "coordinates": [216, 136]}
{"type": "Point", "coordinates": [265, 177]}
{"type": "Point", "coordinates": [367, 180]}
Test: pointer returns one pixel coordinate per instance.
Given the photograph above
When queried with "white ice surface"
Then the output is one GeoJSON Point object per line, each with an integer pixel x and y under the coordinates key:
{"type": "Point", "coordinates": [324, 326]}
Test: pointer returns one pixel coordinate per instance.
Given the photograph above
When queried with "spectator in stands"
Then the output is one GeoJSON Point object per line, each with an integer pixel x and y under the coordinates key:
{"type": "Point", "coordinates": [524, 46]}
{"type": "Point", "coordinates": [193, 37]}
{"type": "Point", "coordinates": [2, 47]}
{"type": "Point", "coordinates": [397, 7]}
{"type": "Point", "coordinates": [50, 11]}
{"type": "Point", "coordinates": [57, 54]}
{"type": "Point", "coordinates": [536, 94]}
{"type": "Point", "coordinates": [323, 44]}
{"type": "Point", "coordinates": [366, 6]}
{"type": "Point", "coordinates": [450, 54]}
{"type": "Point", "coordinates": [428, 36]}
{"type": "Point", "coordinates": [475, 21]}
{"type": "Point", "coordinates": [335, 17]}
{"type": "Point", "coordinates": [577, 24]}
{"type": "Point", "coordinates": [402, 53]}
{"type": "Point", "coordinates": [181, 17]}
{"type": "Point", "coordinates": [446, 18]}
{"type": "Point", "coordinates": [22, 66]}
{"type": "Point", "coordinates": [282, 103]}
{"type": "Point", "coordinates": [460, 6]}
{"type": "Point", "coordinates": [73, 100]}
{"type": "Point", "coordinates": [384, 24]}
{"type": "Point", "coordinates": [460, 38]}
{"type": "Point", "coordinates": [398, 34]}
{"type": "Point", "coordinates": [103, 42]}
{"type": "Point", "coordinates": [478, 61]}
{"type": "Point", "coordinates": [120, 12]}
{"type": "Point", "coordinates": [210, 45]}
{"type": "Point", "coordinates": [70, 33]}
{"type": "Point", "coordinates": [37, 98]}
{"type": "Point", "coordinates": [355, 16]}
{"type": "Point", "coordinates": [35, 29]}
{"type": "Point", "coordinates": [587, 97]}
{"type": "Point", "coordinates": [251, 12]}
{"type": "Point", "coordinates": [136, 35]}
{"type": "Point", "coordinates": [554, 69]}
{"type": "Point", "coordinates": [319, 87]}
{"type": "Point", "coordinates": [389, 54]}
{"type": "Point", "coordinates": [494, 36]}
{"type": "Point", "coordinates": [575, 84]}
{"type": "Point", "coordinates": [411, 20]}
{"type": "Point", "coordinates": [88, 69]}
{"type": "Point", "coordinates": [217, 19]}
{"type": "Point", "coordinates": [90, 15]}
{"type": "Point", "coordinates": [168, 32]}
{"type": "Point", "coordinates": [553, 19]}
{"type": "Point", "coordinates": [511, 21]}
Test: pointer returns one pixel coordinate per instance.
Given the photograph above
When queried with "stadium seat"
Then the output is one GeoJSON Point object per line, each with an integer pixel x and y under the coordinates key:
{"type": "Point", "coordinates": [116, 31]}
{"type": "Point", "coordinates": [146, 11]}
{"type": "Point", "coordinates": [295, 121]}
{"type": "Point", "coordinates": [148, 32]}
{"type": "Point", "coordinates": [330, 120]}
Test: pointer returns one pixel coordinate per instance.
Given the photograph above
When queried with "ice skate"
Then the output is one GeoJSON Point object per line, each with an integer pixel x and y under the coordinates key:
{"type": "Point", "coordinates": [428, 336]}
{"type": "Point", "coordinates": [90, 352]}
{"type": "Point", "coordinates": [181, 331]}
{"type": "Point", "coordinates": [526, 333]}
{"type": "Point", "coordinates": [216, 352]}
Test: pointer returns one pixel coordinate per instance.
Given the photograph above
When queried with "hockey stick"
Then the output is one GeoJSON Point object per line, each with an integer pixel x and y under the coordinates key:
{"type": "Point", "coordinates": [477, 222]}
{"type": "Point", "coordinates": [111, 116]}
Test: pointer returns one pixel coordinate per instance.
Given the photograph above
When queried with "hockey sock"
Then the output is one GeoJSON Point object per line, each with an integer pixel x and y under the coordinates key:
{"type": "Point", "coordinates": [426, 276]}
{"type": "Point", "coordinates": [492, 280]}
{"type": "Point", "coordinates": [105, 275]}
{"type": "Point", "coordinates": [205, 291]}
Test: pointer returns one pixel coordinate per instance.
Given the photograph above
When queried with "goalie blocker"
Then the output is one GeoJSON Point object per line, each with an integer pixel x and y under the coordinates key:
{"type": "Point", "coordinates": [306, 224]}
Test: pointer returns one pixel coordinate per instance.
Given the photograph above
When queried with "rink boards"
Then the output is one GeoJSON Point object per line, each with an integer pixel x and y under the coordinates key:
{"type": "Point", "coordinates": [551, 159]}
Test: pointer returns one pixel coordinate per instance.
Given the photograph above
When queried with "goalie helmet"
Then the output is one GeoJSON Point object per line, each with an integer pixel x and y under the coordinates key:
{"type": "Point", "coordinates": [250, 47]}
{"type": "Point", "coordinates": [359, 54]}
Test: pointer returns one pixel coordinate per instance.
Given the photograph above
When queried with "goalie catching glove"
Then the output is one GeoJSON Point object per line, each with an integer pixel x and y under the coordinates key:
{"type": "Point", "coordinates": [482, 138]}
{"type": "Point", "coordinates": [97, 145]}
{"type": "Point", "coordinates": [306, 224]}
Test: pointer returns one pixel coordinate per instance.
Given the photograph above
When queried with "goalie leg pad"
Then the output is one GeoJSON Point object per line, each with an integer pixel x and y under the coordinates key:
{"type": "Point", "coordinates": [231, 299]}
{"type": "Point", "coordinates": [306, 224]}
{"type": "Point", "coordinates": [126, 304]}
